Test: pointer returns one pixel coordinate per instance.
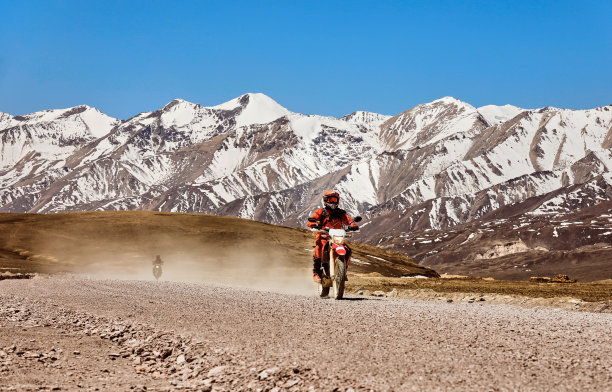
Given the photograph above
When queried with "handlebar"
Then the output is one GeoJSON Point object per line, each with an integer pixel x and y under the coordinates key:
{"type": "Point", "coordinates": [319, 230]}
{"type": "Point", "coordinates": [326, 231]}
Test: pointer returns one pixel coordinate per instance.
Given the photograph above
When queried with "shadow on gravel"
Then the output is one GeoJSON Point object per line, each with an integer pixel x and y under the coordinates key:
{"type": "Point", "coordinates": [360, 299]}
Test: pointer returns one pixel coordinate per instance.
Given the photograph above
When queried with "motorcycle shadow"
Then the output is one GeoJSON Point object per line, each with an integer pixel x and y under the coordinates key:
{"type": "Point", "coordinates": [359, 299]}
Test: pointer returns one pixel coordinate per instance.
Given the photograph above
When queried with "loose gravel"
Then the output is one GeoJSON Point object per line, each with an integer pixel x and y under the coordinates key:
{"type": "Point", "coordinates": [179, 336]}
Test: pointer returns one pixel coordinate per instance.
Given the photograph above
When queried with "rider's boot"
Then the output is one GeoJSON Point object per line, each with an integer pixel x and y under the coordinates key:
{"type": "Point", "coordinates": [316, 269]}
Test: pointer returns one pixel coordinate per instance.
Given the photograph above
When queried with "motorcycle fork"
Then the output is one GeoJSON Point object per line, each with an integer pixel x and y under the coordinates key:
{"type": "Point", "coordinates": [325, 267]}
{"type": "Point", "coordinates": [326, 260]}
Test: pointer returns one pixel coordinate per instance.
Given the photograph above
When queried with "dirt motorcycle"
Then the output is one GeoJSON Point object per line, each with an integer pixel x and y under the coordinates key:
{"type": "Point", "coordinates": [335, 260]}
{"type": "Point", "coordinates": [157, 271]}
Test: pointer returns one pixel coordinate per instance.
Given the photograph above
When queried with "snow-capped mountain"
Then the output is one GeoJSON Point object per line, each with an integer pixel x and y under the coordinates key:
{"type": "Point", "coordinates": [437, 165]}
{"type": "Point", "coordinates": [183, 157]}
{"type": "Point", "coordinates": [52, 134]}
{"type": "Point", "coordinates": [430, 123]}
{"type": "Point", "coordinates": [470, 174]}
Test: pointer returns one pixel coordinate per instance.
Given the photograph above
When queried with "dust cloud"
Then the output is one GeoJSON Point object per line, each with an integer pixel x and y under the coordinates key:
{"type": "Point", "coordinates": [249, 265]}
{"type": "Point", "coordinates": [194, 248]}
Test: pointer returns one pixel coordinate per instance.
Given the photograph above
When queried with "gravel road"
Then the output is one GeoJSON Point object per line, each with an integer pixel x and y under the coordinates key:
{"type": "Point", "coordinates": [171, 335]}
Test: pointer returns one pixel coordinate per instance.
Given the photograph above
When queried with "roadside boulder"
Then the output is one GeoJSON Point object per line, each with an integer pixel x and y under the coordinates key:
{"type": "Point", "coordinates": [540, 279]}
{"type": "Point", "coordinates": [561, 278]}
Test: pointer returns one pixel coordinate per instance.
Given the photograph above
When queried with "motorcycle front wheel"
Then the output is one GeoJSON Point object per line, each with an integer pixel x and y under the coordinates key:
{"type": "Point", "coordinates": [339, 278]}
{"type": "Point", "coordinates": [157, 272]}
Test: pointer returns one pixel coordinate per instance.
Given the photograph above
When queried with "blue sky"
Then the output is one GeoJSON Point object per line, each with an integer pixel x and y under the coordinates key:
{"type": "Point", "coordinates": [323, 57]}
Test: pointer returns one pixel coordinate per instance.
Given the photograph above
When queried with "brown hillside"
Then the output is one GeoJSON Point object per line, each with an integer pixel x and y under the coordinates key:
{"type": "Point", "coordinates": [193, 246]}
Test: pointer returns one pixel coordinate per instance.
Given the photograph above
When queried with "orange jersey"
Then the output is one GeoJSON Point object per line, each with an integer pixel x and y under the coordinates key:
{"type": "Point", "coordinates": [330, 219]}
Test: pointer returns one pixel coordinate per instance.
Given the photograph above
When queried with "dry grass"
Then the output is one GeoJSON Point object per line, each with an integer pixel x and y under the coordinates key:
{"type": "Point", "coordinates": [592, 292]}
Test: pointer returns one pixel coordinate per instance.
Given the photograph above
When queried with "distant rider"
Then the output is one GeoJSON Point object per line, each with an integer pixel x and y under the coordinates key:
{"type": "Point", "coordinates": [157, 261]}
{"type": "Point", "coordinates": [328, 217]}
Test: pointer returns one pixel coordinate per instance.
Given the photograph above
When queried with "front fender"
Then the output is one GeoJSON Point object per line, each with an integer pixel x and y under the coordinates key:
{"type": "Point", "coordinates": [339, 249]}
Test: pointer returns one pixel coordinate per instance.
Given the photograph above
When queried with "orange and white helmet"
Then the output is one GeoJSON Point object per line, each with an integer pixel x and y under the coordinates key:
{"type": "Point", "coordinates": [331, 199]}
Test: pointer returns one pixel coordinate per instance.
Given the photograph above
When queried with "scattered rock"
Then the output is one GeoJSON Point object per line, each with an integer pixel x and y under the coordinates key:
{"type": "Point", "coordinates": [291, 383]}
{"type": "Point", "coordinates": [142, 369]}
{"type": "Point", "coordinates": [561, 278]}
{"type": "Point", "coordinates": [10, 275]}
{"type": "Point", "coordinates": [540, 279]}
{"type": "Point", "coordinates": [264, 375]}
{"type": "Point", "coordinates": [165, 353]}
{"type": "Point", "coordinates": [217, 370]}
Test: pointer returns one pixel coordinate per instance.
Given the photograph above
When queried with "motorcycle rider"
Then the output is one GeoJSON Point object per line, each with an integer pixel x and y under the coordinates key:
{"type": "Point", "coordinates": [157, 261]}
{"type": "Point", "coordinates": [157, 267]}
{"type": "Point", "coordinates": [328, 217]}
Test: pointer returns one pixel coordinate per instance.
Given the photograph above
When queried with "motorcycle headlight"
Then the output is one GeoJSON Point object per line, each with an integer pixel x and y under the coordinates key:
{"type": "Point", "coordinates": [338, 240]}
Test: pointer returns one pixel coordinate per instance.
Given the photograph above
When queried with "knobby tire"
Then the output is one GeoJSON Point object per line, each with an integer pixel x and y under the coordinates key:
{"type": "Point", "coordinates": [340, 278]}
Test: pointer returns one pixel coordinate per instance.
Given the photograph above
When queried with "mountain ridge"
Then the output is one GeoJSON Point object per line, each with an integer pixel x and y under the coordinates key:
{"type": "Point", "coordinates": [435, 166]}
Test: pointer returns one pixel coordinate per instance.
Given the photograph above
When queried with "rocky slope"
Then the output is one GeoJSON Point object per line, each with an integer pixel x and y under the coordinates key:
{"type": "Point", "coordinates": [508, 244]}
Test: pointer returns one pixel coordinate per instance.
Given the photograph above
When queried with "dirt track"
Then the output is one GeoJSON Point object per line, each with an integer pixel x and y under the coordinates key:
{"type": "Point", "coordinates": [173, 335]}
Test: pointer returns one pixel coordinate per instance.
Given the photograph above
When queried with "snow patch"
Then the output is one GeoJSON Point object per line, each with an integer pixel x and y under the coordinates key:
{"type": "Point", "coordinates": [378, 258]}
{"type": "Point", "coordinates": [498, 114]}
{"type": "Point", "coordinates": [260, 109]}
